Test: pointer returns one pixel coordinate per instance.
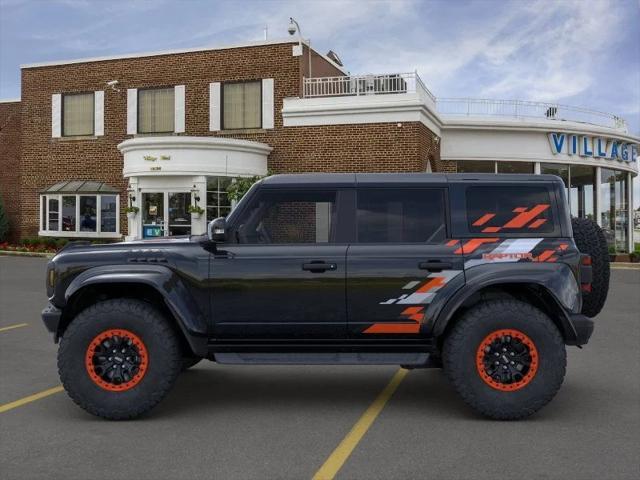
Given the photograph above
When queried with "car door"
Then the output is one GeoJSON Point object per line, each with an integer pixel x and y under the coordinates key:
{"type": "Point", "coordinates": [283, 274]}
{"type": "Point", "coordinates": [401, 260]}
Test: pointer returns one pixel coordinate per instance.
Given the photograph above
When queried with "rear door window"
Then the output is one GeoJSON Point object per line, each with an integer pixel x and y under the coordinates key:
{"type": "Point", "coordinates": [518, 209]}
{"type": "Point", "coordinates": [401, 215]}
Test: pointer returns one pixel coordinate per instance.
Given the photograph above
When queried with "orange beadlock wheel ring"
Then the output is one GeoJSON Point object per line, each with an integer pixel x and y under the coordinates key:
{"type": "Point", "coordinates": [116, 360]}
{"type": "Point", "coordinates": [507, 360]}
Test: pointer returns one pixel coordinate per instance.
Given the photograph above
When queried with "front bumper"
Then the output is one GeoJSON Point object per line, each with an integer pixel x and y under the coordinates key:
{"type": "Point", "coordinates": [51, 316]}
{"type": "Point", "coordinates": [583, 327]}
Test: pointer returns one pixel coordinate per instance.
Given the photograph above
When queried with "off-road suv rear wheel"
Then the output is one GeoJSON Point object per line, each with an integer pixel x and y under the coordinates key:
{"type": "Point", "coordinates": [505, 358]}
{"type": "Point", "coordinates": [590, 239]}
{"type": "Point", "coordinates": [119, 358]}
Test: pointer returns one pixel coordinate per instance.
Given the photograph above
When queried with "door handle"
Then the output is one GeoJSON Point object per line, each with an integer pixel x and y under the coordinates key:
{"type": "Point", "coordinates": [435, 266]}
{"type": "Point", "coordinates": [318, 267]}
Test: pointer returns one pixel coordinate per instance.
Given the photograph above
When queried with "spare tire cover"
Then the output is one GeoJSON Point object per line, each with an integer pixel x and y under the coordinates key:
{"type": "Point", "coordinates": [590, 239]}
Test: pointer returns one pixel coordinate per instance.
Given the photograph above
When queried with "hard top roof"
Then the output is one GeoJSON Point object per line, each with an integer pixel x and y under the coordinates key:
{"type": "Point", "coordinates": [352, 179]}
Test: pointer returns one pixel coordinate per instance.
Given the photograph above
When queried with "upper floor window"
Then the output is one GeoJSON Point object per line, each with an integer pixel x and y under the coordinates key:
{"type": "Point", "coordinates": [242, 105]}
{"type": "Point", "coordinates": [156, 110]}
{"type": "Point", "coordinates": [393, 215]}
{"type": "Point", "coordinates": [78, 114]}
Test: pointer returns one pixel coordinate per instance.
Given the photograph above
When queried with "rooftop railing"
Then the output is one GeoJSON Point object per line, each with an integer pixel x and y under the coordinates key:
{"type": "Point", "coordinates": [356, 85]}
{"type": "Point", "coordinates": [474, 107]}
{"type": "Point", "coordinates": [397, 83]}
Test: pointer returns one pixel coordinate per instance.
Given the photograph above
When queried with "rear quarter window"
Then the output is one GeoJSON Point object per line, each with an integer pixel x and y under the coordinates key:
{"type": "Point", "coordinates": [497, 210]}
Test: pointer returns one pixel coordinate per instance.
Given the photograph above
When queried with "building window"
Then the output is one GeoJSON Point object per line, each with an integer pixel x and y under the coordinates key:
{"type": "Point", "coordinates": [75, 215]}
{"type": "Point", "coordinates": [515, 167]}
{"type": "Point", "coordinates": [78, 114]}
{"type": "Point", "coordinates": [614, 192]}
{"type": "Point", "coordinates": [242, 105]}
{"type": "Point", "coordinates": [218, 203]}
{"type": "Point", "coordinates": [401, 216]}
{"type": "Point", "coordinates": [156, 110]}
{"type": "Point", "coordinates": [476, 166]}
{"type": "Point", "coordinates": [582, 198]}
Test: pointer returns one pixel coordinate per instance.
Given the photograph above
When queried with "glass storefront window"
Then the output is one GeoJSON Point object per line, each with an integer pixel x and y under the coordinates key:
{"type": "Point", "coordinates": [53, 213]}
{"type": "Point", "coordinates": [516, 167]}
{"type": "Point", "coordinates": [614, 192]}
{"type": "Point", "coordinates": [476, 166]}
{"type": "Point", "coordinates": [77, 215]}
{"type": "Point", "coordinates": [69, 214]}
{"type": "Point", "coordinates": [218, 203]}
{"type": "Point", "coordinates": [88, 213]}
{"type": "Point", "coordinates": [559, 170]}
{"type": "Point", "coordinates": [582, 179]}
{"type": "Point", "coordinates": [179, 217]}
{"type": "Point", "coordinates": [108, 218]}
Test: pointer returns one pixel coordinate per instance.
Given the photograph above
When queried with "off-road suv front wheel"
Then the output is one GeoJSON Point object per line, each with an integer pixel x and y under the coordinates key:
{"type": "Point", "coordinates": [119, 358]}
{"type": "Point", "coordinates": [505, 358]}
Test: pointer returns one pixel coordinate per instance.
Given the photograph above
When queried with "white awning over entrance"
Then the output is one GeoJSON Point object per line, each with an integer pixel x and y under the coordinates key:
{"type": "Point", "coordinates": [181, 155]}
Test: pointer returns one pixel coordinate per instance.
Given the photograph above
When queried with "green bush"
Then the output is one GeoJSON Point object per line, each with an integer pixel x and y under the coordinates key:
{"type": "Point", "coordinates": [4, 222]}
{"type": "Point", "coordinates": [236, 190]}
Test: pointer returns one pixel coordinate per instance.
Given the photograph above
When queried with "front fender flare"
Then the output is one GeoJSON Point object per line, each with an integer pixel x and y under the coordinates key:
{"type": "Point", "coordinates": [176, 295]}
{"type": "Point", "coordinates": [557, 279]}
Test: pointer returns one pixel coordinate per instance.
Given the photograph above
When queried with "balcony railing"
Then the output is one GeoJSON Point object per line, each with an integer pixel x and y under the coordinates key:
{"type": "Point", "coordinates": [356, 85]}
{"type": "Point", "coordinates": [397, 83]}
{"type": "Point", "coordinates": [474, 107]}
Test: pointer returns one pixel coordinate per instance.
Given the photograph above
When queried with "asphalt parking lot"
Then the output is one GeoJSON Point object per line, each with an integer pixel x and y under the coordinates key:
{"type": "Point", "coordinates": [269, 422]}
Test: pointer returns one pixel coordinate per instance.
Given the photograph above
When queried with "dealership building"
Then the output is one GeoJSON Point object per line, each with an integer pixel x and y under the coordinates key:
{"type": "Point", "coordinates": [122, 146]}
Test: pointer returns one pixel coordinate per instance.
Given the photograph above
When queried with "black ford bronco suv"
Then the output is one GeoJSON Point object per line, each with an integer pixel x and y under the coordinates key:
{"type": "Point", "coordinates": [482, 275]}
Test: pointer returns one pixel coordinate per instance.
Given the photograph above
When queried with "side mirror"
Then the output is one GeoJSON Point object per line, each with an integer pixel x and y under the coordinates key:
{"type": "Point", "coordinates": [218, 230]}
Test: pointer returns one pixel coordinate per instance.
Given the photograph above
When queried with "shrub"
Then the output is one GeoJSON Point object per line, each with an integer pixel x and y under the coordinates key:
{"type": "Point", "coordinates": [4, 222]}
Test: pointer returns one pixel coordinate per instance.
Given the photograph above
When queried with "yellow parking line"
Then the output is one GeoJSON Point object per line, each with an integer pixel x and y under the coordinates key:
{"type": "Point", "coordinates": [348, 444]}
{"type": "Point", "coordinates": [31, 398]}
{"type": "Point", "coordinates": [11, 327]}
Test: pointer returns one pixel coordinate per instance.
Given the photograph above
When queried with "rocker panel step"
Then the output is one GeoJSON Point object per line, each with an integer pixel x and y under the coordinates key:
{"type": "Point", "coordinates": [323, 358]}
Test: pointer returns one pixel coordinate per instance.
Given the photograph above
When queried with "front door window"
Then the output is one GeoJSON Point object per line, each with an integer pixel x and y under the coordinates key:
{"type": "Point", "coordinates": [179, 217]}
{"type": "Point", "coordinates": [165, 214]}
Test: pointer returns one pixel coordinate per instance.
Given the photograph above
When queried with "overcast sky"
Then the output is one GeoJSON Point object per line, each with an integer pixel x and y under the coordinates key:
{"type": "Point", "coordinates": [577, 52]}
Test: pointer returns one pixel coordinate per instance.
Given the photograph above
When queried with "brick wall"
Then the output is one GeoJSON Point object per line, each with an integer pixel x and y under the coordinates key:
{"type": "Point", "coordinates": [10, 163]}
{"type": "Point", "coordinates": [333, 148]}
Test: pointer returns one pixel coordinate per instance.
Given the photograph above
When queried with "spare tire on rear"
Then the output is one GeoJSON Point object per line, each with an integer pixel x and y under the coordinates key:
{"type": "Point", "coordinates": [590, 239]}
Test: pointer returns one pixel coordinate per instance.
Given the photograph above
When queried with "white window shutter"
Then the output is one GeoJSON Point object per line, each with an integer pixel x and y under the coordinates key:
{"type": "Point", "coordinates": [56, 115]}
{"type": "Point", "coordinates": [267, 103]}
{"type": "Point", "coordinates": [132, 111]}
{"type": "Point", "coordinates": [214, 106]}
{"type": "Point", "coordinates": [98, 113]}
{"type": "Point", "coordinates": [178, 123]}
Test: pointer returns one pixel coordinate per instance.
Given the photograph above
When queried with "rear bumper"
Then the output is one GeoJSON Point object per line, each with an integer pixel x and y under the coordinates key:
{"type": "Point", "coordinates": [51, 316]}
{"type": "Point", "coordinates": [583, 327]}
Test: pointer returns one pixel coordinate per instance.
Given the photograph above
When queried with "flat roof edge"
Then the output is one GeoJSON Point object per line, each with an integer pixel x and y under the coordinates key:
{"type": "Point", "coordinates": [10, 100]}
{"type": "Point", "coordinates": [158, 53]}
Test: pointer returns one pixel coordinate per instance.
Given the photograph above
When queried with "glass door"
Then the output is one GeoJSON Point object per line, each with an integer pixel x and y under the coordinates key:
{"type": "Point", "coordinates": [179, 216]}
{"type": "Point", "coordinates": [153, 215]}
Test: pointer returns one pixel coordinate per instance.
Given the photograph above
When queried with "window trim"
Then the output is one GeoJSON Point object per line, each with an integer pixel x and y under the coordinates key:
{"type": "Point", "coordinates": [93, 117]}
{"type": "Point", "coordinates": [77, 233]}
{"type": "Point", "coordinates": [138, 109]}
{"type": "Point", "coordinates": [235, 82]}
{"type": "Point", "coordinates": [444, 191]}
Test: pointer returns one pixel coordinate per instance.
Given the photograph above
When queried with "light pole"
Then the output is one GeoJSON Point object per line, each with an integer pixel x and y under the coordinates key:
{"type": "Point", "coordinates": [293, 28]}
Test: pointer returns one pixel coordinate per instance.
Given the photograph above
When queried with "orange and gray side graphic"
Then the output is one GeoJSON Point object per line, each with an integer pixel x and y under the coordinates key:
{"type": "Point", "coordinates": [419, 294]}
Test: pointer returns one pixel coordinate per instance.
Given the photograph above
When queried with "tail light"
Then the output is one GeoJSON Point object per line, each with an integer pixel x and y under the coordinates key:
{"type": "Point", "coordinates": [586, 273]}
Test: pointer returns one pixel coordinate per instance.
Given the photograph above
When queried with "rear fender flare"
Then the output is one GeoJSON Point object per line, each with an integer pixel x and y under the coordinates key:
{"type": "Point", "coordinates": [556, 279]}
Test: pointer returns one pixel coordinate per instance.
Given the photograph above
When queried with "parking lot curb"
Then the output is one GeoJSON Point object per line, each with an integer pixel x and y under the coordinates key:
{"type": "Point", "coordinates": [625, 266]}
{"type": "Point", "coordinates": [11, 253]}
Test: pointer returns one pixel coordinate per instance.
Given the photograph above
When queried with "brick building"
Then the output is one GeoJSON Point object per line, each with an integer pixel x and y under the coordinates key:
{"type": "Point", "coordinates": [163, 131]}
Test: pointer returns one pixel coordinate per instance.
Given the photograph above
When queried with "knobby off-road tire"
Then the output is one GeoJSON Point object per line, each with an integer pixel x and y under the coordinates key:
{"type": "Point", "coordinates": [505, 401]}
{"type": "Point", "coordinates": [590, 239]}
{"type": "Point", "coordinates": [136, 324]}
